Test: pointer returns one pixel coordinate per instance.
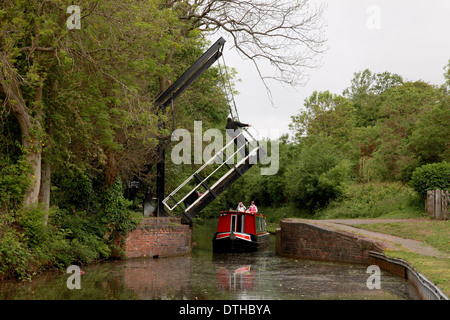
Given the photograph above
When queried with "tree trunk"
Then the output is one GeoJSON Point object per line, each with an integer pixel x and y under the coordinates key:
{"type": "Point", "coordinates": [29, 127]}
{"type": "Point", "coordinates": [32, 195]}
{"type": "Point", "coordinates": [111, 169]}
{"type": "Point", "coordinates": [44, 192]}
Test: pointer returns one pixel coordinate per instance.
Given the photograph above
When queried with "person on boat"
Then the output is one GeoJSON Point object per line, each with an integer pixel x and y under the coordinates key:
{"type": "Point", "coordinates": [233, 130]}
{"type": "Point", "coordinates": [241, 207]}
{"type": "Point", "coordinates": [252, 208]}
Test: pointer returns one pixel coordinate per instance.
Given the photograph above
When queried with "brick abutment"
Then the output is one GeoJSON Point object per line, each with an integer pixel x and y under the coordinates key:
{"type": "Point", "coordinates": [159, 237]}
{"type": "Point", "coordinates": [309, 241]}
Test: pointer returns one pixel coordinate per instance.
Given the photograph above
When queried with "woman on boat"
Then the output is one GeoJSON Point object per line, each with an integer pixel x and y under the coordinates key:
{"type": "Point", "coordinates": [252, 208]}
{"type": "Point", "coordinates": [241, 207]}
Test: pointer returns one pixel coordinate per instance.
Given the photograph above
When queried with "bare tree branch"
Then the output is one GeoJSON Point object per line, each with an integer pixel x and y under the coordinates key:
{"type": "Point", "coordinates": [287, 34]}
{"type": "Point", "coordinates": [45, 49]}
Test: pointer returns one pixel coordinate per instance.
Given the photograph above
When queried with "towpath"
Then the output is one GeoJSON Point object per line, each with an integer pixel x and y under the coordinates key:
{"type": "Point", "coordinates": [384, 240]}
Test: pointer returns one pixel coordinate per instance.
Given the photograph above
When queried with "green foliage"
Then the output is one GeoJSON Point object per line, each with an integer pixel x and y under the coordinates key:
{"type": "Point", "coordinates": [14, 254]}
{"type": "Point", "coordinates": [85, 236]}
{"type": "Point", "coordinates": [326, 114]}
{"type": "Point", "coordinates": [97, 226]}
{"type": "Point", "coordinates": [316, 175]}
{"type": "Point", "coordinates": [374, 200]}
{"type": "Point", "coordinates": [118, 217]}
{"type": "Point", "coordinates": [431, 177]}
{"type": "Point", "coordinates": [32, 221]}
{"type": "Point", "coordinates": [14, 181]}
{"type": "Point", "coordinates": [275, 213]}
{"type": "Point", "coordinates": [400, 110]}
{"type": "Point", "coordinates": [33, 238]}
{"type": "Point", "coordinates": [74, 188]}
{"type": "Point", "coordinates": [378, 131]}
{"type": "Point", "coordinates": [89, 99]}
{"type": "Point", "coordinates": [364, 91]}
{"type": "Point", "coordinates": [29, 243]}
{"type": "Point", "coordinates": [386, 127]}
{"type": "Point", "coordinates": [429, 142]}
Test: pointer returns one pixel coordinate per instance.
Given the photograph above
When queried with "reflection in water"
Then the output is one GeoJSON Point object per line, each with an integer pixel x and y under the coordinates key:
{"type": "Point", "coordinates": [158, 278]}
{"type": "Point", "coordinates": [204, 275]}
{"type": "Point", "coordinates": [242, 278]}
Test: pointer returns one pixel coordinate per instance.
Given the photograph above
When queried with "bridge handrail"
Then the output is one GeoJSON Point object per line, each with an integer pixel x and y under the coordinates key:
{"type": "Point", "coordinates": [224, 162]}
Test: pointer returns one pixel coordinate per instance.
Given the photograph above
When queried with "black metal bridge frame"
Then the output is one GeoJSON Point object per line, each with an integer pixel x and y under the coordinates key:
{"type": "Point", "coordinates": [167, 97]}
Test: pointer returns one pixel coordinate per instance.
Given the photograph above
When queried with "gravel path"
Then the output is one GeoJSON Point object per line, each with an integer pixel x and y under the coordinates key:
{"type": "Point", "coordinates": [386, 240]}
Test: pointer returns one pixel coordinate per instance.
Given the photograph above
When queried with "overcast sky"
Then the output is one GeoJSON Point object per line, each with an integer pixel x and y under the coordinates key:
{"type": "Point", "coordinates": [412, 40]}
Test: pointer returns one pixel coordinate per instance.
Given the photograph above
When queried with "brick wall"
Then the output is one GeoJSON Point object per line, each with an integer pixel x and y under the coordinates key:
{"type": "Point", "coordinates": [158, 236]}
{"type": "Point", "coordinates": [309, 241]}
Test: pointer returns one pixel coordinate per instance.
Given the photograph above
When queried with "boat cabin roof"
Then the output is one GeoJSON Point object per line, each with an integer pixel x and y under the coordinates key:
{"type": "Point", "coordinates": [241, 212]}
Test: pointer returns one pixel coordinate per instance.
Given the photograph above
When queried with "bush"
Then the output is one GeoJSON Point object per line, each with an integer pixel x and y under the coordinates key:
{"type": "Point", "coordinates": [28, 243]}
{"type": "Point", "coordinates": [14, 255]}
{"type": "Point", "coordinates": [374, 200]}
{"type": "Point", "coordinates": [431, 177]}
{"type": "Point", "coordinates": [118, 217]}
{"type": "Point", "coordinates": [317, 175]}
{"type": "Point", "coordinates": [91, 224]}
{"type": "Point", "coordinates": [14, 181]}
{"type": "Point", "coordinates": [84, 233]}
{"type": "Point", "coordinates": [32, 221]}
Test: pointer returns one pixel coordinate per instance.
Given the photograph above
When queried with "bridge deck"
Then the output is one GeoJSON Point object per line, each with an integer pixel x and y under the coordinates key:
{"type": "Point", "coordinates": [221, 184]}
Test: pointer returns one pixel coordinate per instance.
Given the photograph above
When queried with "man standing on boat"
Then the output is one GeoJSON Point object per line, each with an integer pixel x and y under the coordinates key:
{"type": "Point", "coordinates": [239, 139]}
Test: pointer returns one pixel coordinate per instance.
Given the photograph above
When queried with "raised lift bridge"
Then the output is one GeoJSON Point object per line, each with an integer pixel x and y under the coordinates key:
{"type": "Point", "coordinates": [215, 176]}
{"type": "Point", "coordinates": [221, 170]}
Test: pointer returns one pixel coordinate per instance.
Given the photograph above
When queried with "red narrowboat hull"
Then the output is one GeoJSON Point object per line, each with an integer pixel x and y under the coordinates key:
{"type": "Point", "coordinates": [235, 244]}
{"type": "Point", "coordinates": [240, 232]}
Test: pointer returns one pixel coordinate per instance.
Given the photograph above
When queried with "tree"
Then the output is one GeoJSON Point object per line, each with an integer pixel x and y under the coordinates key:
{"type": "Point", "coordinates": [25, 59]}
{"type": "Point", "coordinates": [400, 108]}
{"type": "Point", "coordinates": [429, 141]}
{"type": "Point", "coordinates": [364, 91]}
{"type": "Point", "coordinates": [85, 97]}
{"type": "Point", "coordinates": [317, 174]}
{"type": "Point", "coordinates": [326, 114]}
{"type": "Point", "coordinates": [286, 34]}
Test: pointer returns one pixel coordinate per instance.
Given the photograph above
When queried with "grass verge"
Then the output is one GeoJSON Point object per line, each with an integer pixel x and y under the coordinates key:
{"type": "Point", "coordinates": [432, 232]}
{"type": "Point", "coordinates": [435, 269]}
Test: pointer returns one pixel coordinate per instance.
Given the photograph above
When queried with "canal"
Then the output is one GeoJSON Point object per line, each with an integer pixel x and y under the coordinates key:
{"type": "Point", "coordinates": [202, 275]}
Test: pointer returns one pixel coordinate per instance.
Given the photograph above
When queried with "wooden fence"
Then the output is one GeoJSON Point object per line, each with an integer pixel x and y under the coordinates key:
{"type": "Point", "coordinates": [437, 204]}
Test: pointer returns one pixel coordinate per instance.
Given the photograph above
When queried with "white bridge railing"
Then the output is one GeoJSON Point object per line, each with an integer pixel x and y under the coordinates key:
{"type": "Point", "coordinates": [247, 146]}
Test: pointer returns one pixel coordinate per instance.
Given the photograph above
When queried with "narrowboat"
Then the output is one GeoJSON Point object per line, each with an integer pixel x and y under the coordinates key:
{"type": "Point", "coordinates": [240, 232]}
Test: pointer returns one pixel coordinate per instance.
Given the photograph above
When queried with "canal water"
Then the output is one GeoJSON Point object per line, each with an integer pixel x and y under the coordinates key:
{"type": "Point", "coordinates": [203, 275]}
